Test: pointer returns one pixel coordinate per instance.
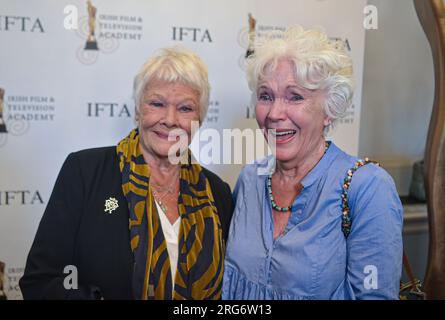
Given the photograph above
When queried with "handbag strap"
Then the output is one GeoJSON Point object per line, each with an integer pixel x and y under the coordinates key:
{"type": "Point", "coordinates": [346, 214]}
{"type": "Point", "coordinates": [408, 270]}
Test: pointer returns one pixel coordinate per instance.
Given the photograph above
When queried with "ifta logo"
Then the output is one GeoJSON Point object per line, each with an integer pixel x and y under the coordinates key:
{"type": "Point", "coordinates": [17, 111]}
{"type": "Point", "coordinates": [10, 126]}
{"type": "Point", "coordinates": [2, 107]}
{"type": "Point", "coordinates": [102, 32]}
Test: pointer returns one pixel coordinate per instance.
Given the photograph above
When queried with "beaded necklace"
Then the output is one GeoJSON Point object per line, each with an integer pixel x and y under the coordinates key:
{"type": "Point", "coordinates": [275, 206]}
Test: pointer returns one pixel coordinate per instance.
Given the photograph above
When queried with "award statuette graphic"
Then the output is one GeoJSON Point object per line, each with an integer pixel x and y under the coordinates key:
{"type": "Point", "coordinates": [91, 41]}
{"type": "Point", "coordinates": [252, 24]}
{"type": "Point", "coordinates": [2, 276]}
{"type": "Point", "coordinates": [2, 121]}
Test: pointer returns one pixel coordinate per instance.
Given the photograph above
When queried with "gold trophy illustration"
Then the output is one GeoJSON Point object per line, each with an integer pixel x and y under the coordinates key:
{"type": "Point", "coordinates": [91, 41]}
{"type": "Point", "coordinates": [252, 24]}
{"type": "Point", "coordinates": [2, 106]}
{"type": "Point", "coordinates": [2, 276]}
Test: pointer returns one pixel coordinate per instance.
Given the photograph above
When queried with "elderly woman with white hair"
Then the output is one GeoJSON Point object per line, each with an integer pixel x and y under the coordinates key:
{"type": "Point", "coordinates": [132, 221]}
{"type": "Point", "coordinates": [322, 224]}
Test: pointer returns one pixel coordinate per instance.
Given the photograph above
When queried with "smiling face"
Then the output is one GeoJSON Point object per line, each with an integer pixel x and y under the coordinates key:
{"type": "Point", "coordinates": [294, 112]}
{"type": "Point", "coordinates": [166, 108]}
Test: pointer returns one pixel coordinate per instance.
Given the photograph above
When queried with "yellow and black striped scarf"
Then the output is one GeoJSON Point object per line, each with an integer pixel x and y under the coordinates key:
{"type": "Point", "coordinates": [201, 248]}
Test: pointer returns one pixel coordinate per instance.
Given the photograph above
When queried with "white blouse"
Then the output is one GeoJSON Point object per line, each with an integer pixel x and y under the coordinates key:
{"type": "Point", "coordinates": [171, 235]}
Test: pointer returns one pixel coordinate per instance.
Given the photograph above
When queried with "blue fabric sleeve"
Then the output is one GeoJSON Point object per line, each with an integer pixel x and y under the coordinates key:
{"type": "Point", "coordinates": [375, 243]}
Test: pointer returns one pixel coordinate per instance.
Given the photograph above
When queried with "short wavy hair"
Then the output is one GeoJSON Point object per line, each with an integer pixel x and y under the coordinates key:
{"type": "Point", "coordinates": [319, 64]}
{"type": "Point", "coordinates": [175, 64]}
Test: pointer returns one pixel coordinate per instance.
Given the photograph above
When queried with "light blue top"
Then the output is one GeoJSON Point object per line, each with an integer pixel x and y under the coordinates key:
{"type": "Point", "coordinates": [313, 259]}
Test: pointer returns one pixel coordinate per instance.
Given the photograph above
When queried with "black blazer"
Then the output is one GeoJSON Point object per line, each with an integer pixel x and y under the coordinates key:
{"type": "Point", "coordinates": [76, 231]}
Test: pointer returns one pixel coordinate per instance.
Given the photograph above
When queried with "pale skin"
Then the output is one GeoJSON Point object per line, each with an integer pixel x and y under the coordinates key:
{"type": "Point", "coordinates": [165, 107]}
{"type": "Point", "coordinates": [285, 106]}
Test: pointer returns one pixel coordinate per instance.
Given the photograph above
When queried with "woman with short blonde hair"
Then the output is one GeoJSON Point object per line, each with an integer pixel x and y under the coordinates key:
{"type": "Point", "coordinates": [135, 224]}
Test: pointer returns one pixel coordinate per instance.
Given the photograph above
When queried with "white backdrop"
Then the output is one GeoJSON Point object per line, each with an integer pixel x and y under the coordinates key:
{"type": "Point", "coordinates": [61, 98]}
